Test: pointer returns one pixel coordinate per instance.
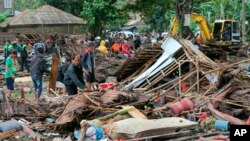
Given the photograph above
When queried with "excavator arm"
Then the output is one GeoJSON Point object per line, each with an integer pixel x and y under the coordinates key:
{"type": "Point", "coordinates": [200, 20]}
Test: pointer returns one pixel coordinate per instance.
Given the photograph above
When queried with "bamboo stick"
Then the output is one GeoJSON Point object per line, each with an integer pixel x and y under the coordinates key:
{"type": "Point", "coordinates": [228, 102]}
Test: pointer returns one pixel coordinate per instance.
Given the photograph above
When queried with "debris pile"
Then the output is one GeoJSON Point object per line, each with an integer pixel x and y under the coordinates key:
{"type": "Point", "coordinates": [106, 67]}
{"type": "Point", "coordinates": [174, 86]}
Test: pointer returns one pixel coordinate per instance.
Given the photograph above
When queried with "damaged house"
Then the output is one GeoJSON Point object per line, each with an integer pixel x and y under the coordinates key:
{"type": "Point", "coordinates": [44, 20]}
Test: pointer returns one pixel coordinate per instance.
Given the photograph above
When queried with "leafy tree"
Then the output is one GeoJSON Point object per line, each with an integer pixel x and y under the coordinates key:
{"type": "Point", "coordinates": [230, 8]}
{"type": "Point", "coordinates": [21, 5]}
{"type": "Point", "coordinates": [71, 6]}
{"type": "Point", "coordinates": [160, 19]}
{"type": "Point", "coordinates": [100, 14]}
{"type": "Point", "coordinates": [158, 13]}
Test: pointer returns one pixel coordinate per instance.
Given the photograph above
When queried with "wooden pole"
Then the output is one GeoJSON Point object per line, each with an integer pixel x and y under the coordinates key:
{"type": "Point", "coordinates": [53, 73]}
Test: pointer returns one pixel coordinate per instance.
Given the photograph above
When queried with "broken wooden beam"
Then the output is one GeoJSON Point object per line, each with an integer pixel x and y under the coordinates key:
{"type": "Point", "coordinates": [135, 112]}
{"type": "Point", "coordinates": [53, 73]}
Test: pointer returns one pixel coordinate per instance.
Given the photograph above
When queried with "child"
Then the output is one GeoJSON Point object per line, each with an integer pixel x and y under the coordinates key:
{"type": "Point", "coordinates": [10, 72]}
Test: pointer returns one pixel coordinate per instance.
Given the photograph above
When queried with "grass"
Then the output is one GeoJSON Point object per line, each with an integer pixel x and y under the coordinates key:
{"type": "Point", "coordinates": [28, 95]}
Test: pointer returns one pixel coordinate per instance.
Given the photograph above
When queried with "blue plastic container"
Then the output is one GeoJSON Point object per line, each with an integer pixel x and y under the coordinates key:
{"type": "Point", "coordinates": [222, 125]}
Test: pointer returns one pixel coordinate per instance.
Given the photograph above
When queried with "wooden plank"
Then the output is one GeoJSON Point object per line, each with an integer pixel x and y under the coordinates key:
{"type": "Point", "coordinates": [8, 134]}
{"type": "Point", "coordinates": [53, 73]}
{"type": "Point", "coordinates": [135, 112]}
{"type": "Point", "coordinates": [23, 79]}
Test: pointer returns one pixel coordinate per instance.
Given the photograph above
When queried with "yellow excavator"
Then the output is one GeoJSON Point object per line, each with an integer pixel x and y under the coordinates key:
{"type": "Point", "coordinates": [223, 32]}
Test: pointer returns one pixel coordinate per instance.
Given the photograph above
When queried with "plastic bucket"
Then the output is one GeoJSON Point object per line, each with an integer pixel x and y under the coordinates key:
{"type": "Point", "coordinates": [184, 104]}
{"type": "Point", "coordinates": [221, 125]}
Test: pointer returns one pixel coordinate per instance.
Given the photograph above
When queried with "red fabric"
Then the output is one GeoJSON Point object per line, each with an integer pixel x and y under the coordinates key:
{"type": "Point", "coordinates": [158, 99]}
{"type": "Point", "coordinates": [221, 138]}
{"type": "Point", "coordinates": [106, 85]}
{"type": "Point", "coordinates": [125, 49]}
{"type": "Point", "coordinates": [248, 121]}
{"type": "Point", "coordinates": [86, 51]}
{"type": "Point", "coordinates": [199, 39]}
{"type": "Point", "coordinates": [203, 116]}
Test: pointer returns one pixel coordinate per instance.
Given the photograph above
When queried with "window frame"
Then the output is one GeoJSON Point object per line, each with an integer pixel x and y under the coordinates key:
{"type": "Point", "coordinates": [7, 4]}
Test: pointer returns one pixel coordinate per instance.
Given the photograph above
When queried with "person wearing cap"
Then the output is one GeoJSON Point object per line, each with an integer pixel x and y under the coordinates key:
{"type": "Point", "coordinates": [37, 46]}
{"type": "Point", "coordinates": [10, 72]}
{"type": "Point", "coordinates": [37, 68]}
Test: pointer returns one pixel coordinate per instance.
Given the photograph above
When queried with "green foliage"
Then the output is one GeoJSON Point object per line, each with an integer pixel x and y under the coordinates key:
{"type": "Point", "coordinates": [4, 15]}
{"type": "Point", "coordinates": [71, 6]}
{"type": "Point", "coordinates": [157, 14]}
{"type": "Point", "coordinates": [100, 14]}
{"type": "Point", "coordinates": [232, 10]}
{"type": "Point", "coordinates": [21, 5]}
{"type": "Point", "coordinates": [160, 19]}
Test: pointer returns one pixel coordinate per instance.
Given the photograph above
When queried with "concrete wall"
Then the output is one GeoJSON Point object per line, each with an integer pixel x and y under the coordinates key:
{"type": "Point", "coordinates": [1, 5]}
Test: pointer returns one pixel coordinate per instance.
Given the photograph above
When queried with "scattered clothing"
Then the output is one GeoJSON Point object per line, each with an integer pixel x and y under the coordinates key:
{"type": "Point", "coordinates": [203, 116]}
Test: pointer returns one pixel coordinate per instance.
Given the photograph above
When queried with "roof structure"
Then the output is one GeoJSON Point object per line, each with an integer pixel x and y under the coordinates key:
{"type": "Point", "coordinates": [45, 15]}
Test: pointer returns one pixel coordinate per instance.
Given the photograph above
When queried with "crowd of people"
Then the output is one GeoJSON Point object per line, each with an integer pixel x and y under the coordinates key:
{"type": "Point", "coordinates": [75, 72]}
{"type": "Point", "coordinates": [121, 45]}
